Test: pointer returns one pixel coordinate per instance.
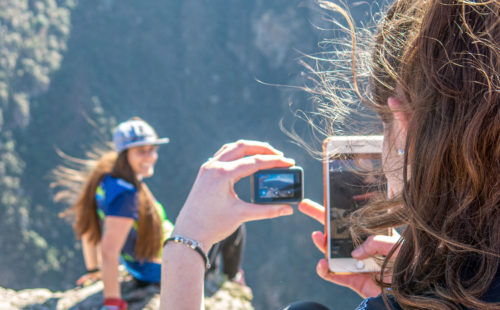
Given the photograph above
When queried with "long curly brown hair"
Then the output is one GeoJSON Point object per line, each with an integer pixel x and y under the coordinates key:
{"type": "Point", "coordinates": [79, 183]}
{"type": "Point", "coordinates": [443, 58]}
{"type": "Point", "coordinates": [444, 55]}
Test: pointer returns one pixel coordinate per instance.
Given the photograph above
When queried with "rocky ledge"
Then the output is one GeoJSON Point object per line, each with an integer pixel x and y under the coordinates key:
{"type": "Point", "coordinates": [221, 294]}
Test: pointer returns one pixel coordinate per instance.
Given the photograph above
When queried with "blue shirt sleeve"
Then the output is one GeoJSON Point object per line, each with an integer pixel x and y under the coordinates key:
{"type": "Point", "coordinates": [124, 205]}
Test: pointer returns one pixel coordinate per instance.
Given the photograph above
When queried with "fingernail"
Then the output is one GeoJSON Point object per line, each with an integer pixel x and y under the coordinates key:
{"type": "Point", "coordinates": [290, 160]}
{"type": "Point", "coordinates": [286, 211]}
{"type": "Point", "coordinates": [356, 252]}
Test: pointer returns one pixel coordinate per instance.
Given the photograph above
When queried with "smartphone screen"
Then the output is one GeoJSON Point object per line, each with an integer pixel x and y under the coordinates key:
{"type": "Point", "coordinates": [353, 181]}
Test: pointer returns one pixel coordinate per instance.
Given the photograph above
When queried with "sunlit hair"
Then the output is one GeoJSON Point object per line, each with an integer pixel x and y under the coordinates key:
{"type": "Point", "coordinates": [76, 183]}
{"type": "Point", "coordinates": [442, 58]}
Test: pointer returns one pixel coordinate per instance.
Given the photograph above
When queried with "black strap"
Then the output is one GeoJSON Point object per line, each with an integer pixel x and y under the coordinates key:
{"type": "Point", "coordinates": [93, 270]}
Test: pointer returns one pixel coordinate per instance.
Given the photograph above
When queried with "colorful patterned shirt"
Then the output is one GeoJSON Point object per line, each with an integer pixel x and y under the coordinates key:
{"type": "Point", "coordinates": [117, 197]}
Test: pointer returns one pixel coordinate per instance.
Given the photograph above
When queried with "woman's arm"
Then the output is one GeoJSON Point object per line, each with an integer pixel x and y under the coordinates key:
{"type": "Point", "coordinates": [116, 230]}
{"type": "Point", "coordinates": [182, 277]}
{"type": "Point", "coordinates": [212, 212]}
{"type": "Point", "coordinates": [92, 261]}
{"type": "Point", "coordinates": [90, 253]}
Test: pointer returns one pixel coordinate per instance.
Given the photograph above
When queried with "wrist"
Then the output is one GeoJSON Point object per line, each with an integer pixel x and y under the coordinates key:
{"type": "Point", "coordinates": [194, 245]}
{"type": "Point", "coordinates": [93, 270]}
{"type": "Point", "coordinates": [193, 231]}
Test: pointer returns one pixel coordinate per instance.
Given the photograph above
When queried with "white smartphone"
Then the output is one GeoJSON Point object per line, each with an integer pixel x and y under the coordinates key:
{"type": "Point", "coordinates": [349, 163]}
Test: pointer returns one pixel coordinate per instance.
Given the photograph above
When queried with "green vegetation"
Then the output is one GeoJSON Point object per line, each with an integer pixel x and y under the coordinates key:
{"type": "Point", "coordinates": [33, 37]}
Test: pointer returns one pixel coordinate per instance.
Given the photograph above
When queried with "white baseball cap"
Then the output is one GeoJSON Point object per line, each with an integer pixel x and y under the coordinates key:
{"type": "Point", "coordinates": [135, 132]}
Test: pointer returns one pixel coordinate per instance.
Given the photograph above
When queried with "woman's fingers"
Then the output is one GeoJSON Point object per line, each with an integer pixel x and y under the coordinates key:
{"type": "Point", "coordinates": [319, 240]}
{"type": "Point", "coordinates": [313, 209]}
{"type": "Point", "coordinates": [87, 279]}
{"type": "Point", "coordinates": [244, 157]}
{"type": "Point", "coordinates": [248, 165]}
{"type": "Point", "coordinates": [324, 272]}
{"type": "Point", "coordinates": [349, 280]}
{"type": "Point", "coordinates": [375, 245]}
{"type": "Point", "coordinates": [81, 280]}
{"type": "Point", "coordinates": [242, 148]}
{"type": "Point", "coordinates": [254, 212]}
{"type": "Point", "coordinates": [361, 283]}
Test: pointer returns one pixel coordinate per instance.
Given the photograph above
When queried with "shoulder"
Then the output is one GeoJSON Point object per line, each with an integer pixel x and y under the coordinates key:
{"type": "Point", "coordinates": [117, 184]}
{"type": "Point", "coordinates": [112, 187]}
{"type": "Point", "coordinates": [117, 197]}
{"type": "Point", "coordinates": [377, 303]}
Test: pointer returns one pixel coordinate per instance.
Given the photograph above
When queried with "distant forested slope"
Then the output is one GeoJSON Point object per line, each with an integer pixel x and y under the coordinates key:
{"type": "Point", "coordinates": [33, 37]}
{"type": "Point", "coordinates": [69, 71]}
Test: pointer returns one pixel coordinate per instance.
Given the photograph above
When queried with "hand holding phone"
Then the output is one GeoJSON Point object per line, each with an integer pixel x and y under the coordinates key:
{"type": "Point", "coordinates": [350, 182]}
{"type": "Point", "coordinates": [362, 283]}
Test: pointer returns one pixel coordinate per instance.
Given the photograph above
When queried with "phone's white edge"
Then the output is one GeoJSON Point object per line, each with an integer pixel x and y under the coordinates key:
{"type": "Point", "coordinates": [349, 145]}
{"type": "Point", "coordinates": [350, 265]}
{"type": "Point", "coordinates": [327, 207]}
{"type": "Point", "coordinates": [354, 144]}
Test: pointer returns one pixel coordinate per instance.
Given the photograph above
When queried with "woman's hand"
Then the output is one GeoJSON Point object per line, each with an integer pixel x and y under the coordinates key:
{"type": "Point", "coordinates": [212, 210]}
{"type": "Point", "coordinates": [361, 283]}
{"type": "Point", "coordinates": [89, 278]}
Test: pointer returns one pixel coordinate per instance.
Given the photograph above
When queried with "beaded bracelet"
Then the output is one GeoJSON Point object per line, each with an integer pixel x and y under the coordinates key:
{"type": "Point", "coordinates": [193, 244]}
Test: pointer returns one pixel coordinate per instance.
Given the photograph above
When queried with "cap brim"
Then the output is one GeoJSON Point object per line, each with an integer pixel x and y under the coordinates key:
{"type": "Point", "coordinates": [148, 142]}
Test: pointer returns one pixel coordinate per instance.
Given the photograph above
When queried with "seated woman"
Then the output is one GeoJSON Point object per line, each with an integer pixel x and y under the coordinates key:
{"type": "Point", "coordinates": [435, 84]}
{"type": "Point", "coordinates": [118, 218]}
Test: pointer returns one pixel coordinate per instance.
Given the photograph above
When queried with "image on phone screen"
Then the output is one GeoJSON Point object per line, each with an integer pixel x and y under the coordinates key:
{"type": "Point", "coordinates": [352, 185]}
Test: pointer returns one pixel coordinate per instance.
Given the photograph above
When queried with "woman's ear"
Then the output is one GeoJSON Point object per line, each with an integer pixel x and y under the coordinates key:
{"type": "Point", "coordinates": [401, 112]}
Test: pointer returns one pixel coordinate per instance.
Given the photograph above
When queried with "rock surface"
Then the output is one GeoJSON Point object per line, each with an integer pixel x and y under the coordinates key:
{"type": "Point", "coordinates": [230, 295]}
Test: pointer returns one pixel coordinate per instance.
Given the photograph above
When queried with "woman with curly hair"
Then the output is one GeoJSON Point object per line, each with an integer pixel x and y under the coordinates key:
{"type": "Point", "coordinates": [435, 83]}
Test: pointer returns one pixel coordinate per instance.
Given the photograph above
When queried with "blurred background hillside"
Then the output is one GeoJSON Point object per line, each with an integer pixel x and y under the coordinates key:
{"type": "Point", "coordinates": [71, 70]}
